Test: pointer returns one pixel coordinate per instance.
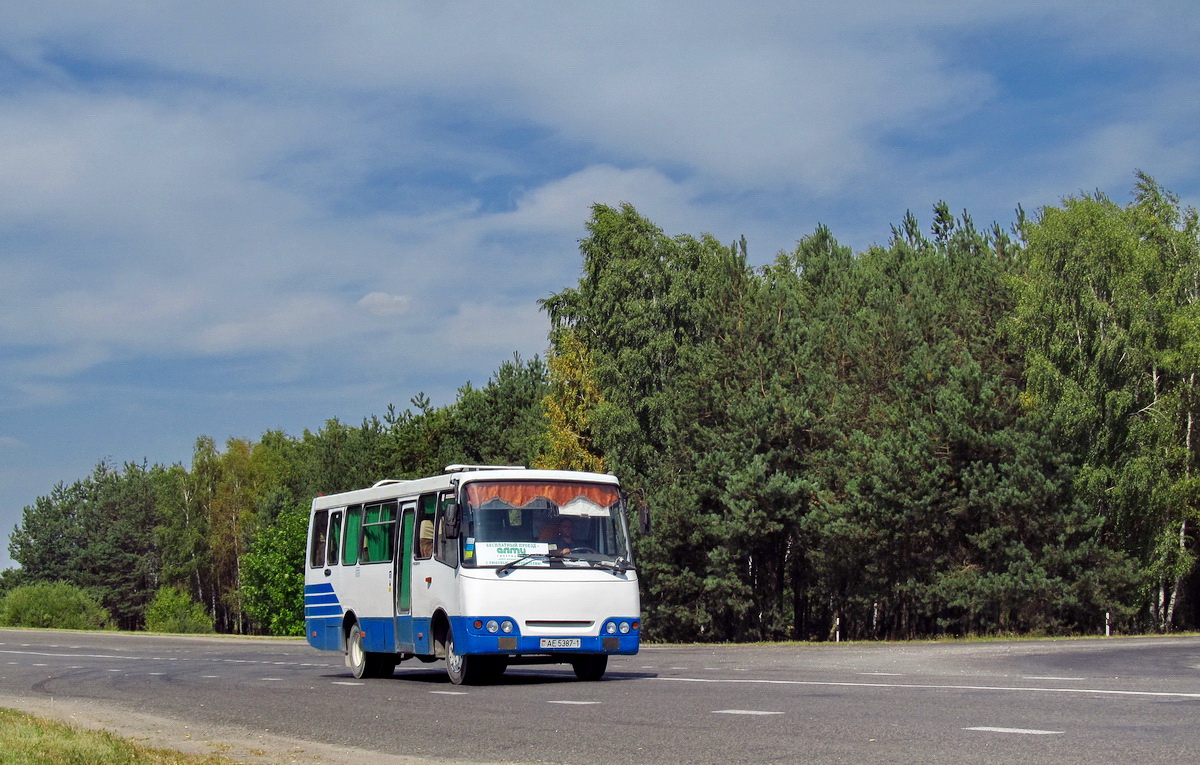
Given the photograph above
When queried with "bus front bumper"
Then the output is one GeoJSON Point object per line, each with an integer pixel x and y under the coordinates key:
{"type": "Point", "coordinates": [472, 637]}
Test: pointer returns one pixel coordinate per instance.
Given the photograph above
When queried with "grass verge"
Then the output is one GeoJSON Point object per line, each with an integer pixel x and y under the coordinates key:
{"type": "Point", "coordinates": [29, 740]}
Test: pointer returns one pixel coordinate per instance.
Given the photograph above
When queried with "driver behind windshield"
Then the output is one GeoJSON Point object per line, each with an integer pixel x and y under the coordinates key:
{"type": "Point", "coordinates": [564, 538]}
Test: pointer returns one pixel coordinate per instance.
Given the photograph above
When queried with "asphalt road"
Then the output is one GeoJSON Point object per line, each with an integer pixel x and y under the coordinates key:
{"type": "Point", "coordinates": [1072, 701]}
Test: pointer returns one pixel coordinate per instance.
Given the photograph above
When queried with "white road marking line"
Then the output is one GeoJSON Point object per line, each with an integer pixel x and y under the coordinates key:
{"type": "Point", "coordinates": [1022, 731]}
{"type": "Point", "coordinates": [210, 677]}
{"type": "Point", "coordinates": [72, 655]}
{"type": "Point", "coordinates": [580, 703]}
{"type": "Point", "coordinates": [743, 712]}
{"type": "Point", "coordinates": [344, 682]}
{"type": "Point", "coordinates": [1051, 677]}
{"type": "Point", "coordinates": [923, 686]}
{"type": "Point", "coordinates": [883, 674]}
{"type": "Point", "coordinates": [450, 693]}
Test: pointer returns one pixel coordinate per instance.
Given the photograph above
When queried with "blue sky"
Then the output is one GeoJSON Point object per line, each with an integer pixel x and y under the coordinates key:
{"type": "Point", "coordinates": [221, 218]}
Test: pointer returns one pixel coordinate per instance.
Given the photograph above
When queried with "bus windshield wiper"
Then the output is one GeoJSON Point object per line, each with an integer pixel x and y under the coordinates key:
{"type": "Point", "coordinates": [618, 566]}
{"type": "Point", "coordinates": [527, 556]}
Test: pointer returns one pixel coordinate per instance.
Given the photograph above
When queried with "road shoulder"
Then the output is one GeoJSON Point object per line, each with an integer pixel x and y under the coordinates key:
{"type": "Point", "coordinates": [236, 744]}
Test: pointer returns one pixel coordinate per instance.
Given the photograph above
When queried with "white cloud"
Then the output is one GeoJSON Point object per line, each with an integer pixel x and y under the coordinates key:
{"type": "Point", "coordinates": [743, 94]}
{"type": "Point", "coordinates": [384, 305]}
{"type": "Point", "coordinates": [477, 327]}
{"type": "Point", "coordinates": [562, 204]}
{"type": "Point", "coordinates": [300, 320]}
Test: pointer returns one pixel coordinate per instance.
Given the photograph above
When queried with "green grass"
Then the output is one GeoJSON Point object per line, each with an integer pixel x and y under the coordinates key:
{"type": "Point", "coordinates": [29, 740]}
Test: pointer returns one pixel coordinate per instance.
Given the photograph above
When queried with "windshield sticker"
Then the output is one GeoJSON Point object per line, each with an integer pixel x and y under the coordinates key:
{"type": "Point", "coordinates": [582, 506]}
{"type": "Point", "coordinates": [499, 553]}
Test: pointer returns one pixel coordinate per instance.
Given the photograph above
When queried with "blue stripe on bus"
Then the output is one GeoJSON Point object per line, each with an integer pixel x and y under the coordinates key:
{"type": "Point", "coordinates": [320, 600]}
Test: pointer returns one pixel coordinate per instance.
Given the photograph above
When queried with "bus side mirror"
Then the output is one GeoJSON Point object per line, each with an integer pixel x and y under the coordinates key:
{"type": "Point", "coordinates": [452, 519]}
{"type": "Point", "coordinates": [643, 510]}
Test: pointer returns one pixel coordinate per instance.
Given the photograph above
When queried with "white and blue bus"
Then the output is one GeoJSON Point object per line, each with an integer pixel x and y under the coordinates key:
{"type": "Point", "coordinates": [482, 567]}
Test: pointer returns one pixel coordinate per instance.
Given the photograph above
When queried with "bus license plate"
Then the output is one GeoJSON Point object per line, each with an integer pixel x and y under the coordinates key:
{"type": "Point", "coordinates": [560, 642]}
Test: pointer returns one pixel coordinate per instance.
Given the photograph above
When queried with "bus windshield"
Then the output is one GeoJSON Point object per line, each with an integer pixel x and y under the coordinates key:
{"type": "Point", "coordinates": [506, 521]}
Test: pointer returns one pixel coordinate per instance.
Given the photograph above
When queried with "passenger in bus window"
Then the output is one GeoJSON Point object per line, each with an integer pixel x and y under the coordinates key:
{"type": "Point", "coordinates": [426, 535]}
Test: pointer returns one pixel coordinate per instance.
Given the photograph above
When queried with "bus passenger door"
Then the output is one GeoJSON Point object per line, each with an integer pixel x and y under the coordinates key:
{"type": "Point", "coordinates": [427, 573]}
{"type": "Point", "coordinates": [402, 579]}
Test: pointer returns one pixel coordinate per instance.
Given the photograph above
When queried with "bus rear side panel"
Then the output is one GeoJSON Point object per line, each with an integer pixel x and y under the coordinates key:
{"type": "Point", "coordinates": [322, 616]}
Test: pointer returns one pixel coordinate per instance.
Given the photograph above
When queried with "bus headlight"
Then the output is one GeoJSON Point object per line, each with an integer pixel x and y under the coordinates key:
{"type": "Point", "coordinates": [493, 625]}
{"type": "Point", "coordinates": [506, 626]}
{"type": "Point", "coordinates": [610, 628]}
{"type": "Point", "coordinates": [624, 628]}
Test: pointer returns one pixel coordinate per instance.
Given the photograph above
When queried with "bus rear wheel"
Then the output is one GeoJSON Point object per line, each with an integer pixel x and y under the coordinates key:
{"type": "Point", "coordinates": [590, 667]}
{"type": "Point", "coordinates": [365, 663]}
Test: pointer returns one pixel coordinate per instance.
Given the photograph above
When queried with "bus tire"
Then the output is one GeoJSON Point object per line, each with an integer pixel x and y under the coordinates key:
{"type": "Point", "coordinates": [365, 664]}
{"type": "Point", "coordinates": [590, 667]}
{"type": "Point", "coordinates": [463, 670]}
{"type": "Point", "coordinates": [356, 657]}
{"type": "Point", "coordinates": [381, 664]}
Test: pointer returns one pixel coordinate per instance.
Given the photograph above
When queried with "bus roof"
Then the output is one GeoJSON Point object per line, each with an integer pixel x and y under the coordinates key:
{"type": "Point", "coordinates": [391, 489]}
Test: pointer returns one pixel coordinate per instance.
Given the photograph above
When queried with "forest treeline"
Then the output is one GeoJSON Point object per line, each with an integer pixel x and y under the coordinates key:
{"type": "Point", "coordinates": [960, 431]}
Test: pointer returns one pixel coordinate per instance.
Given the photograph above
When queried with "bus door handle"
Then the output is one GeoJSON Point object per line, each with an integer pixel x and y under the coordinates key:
{"type": "Point", "coordinates": [328, 572]}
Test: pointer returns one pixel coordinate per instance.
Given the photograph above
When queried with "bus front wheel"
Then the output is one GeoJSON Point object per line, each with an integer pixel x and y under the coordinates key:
{"type": "Point", "coordinates": [461, 669]}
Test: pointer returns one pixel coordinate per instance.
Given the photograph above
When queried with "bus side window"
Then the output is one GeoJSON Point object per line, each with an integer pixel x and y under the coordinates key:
{"type": "Point", "coordinates": [379, 533]}
{"type": "Point", "coordinates": [447, 549]}
{"type": "Point", "coordinates": [316, 557]}
{"type": "Point", "coordinates": [350, 542]}
{"type": "Point", "coordinates": [335, 538]}
{"type": "Point", "coordinates": [426, 509]}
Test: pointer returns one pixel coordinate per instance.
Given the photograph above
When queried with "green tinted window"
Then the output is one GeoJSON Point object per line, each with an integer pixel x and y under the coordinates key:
{"type": "Point", "coordinates": [350, 543]}
{"type": "Point", "coordinates": [379, 532]}
{"type": "Point", "coordinates": [406, 535]}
